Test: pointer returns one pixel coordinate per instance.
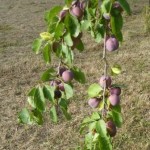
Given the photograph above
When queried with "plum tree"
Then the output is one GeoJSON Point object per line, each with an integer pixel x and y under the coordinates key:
{"type": "Point", "coordinates": [115, 90]}
{"type": "Point", "coordinates": [112, 44]}
{"type": "Point", "coordinates": [114, 99]}
{"type": "Point", "coordinates": [105, 81]}
{"type": "Point", "coordinates": [67, 76]}
{"type": "Point", "coordinates": [94, 102]}
{"type": "Point", "coordinates": [111, 128]}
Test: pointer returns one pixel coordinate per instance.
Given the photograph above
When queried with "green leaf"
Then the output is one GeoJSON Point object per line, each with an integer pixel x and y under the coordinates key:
{"type": "Point", "coordinates": [53, 114]}
{"type": "Point", "coordinates": [94, 90]}
{"type": "Point", "coordinates": [88, 141]}
{"type": "Point", "coordinates": [48, 75]}
{"type": "Point", "coordinates": [65, 113]}
{"type": "Point", "coordinates": [47, 53]}
{"type": "Point", "coordinates": [68, 2]}
{"type": "Point", "coordinates": [68, 91]}
{"type": "Point", "coordinates": [117, 118]}
{"type": "Point", "coordinates": [63, 103]}
{"type": "Point", "coordinates": [116, 69]}
{"type": "Point", "coordinates": [117, 24]}
{"type": "Point", "coordinates": [106, 6]}
{"type": "Point", "coordinates": [46, 36]}
{"type": "Point", "coordinates": [31, 101]}
{"type": "Point", "coordinates": [125, 5]}
{"type": "Point", "coordinates": [104, 141]}
{"type": "Point", "coordinates": [99, 32]}
{"type": "Point", "coordinates": [80, 45]}
{"type": "Point", "coordinates": [72, 25]}
{"type": "Point", "coordinates": [85, 24]}
{"type": "Point", "coordinates": [78, 75]}
{"type": "Point", "coordinates": [32, 92]}
{"type": "Point", "coordinates": [59, 30]}
{"type": "Point", "coordinates": [37, 117]}
{"type": "Point", "coordinates": [95, 116]}
{"type": "Point", "coordinates": [25, 117]}
{"type": "Point", "coordinates": [49, 93]}
{"type": "Point", "coordinates": [49, 15]}
{"type": "Point", "coordinates": [37, 45]}
{"type": "Point", "coordinates": [39, 99]}
{"type": "Point", "coordinates": [68, 39]}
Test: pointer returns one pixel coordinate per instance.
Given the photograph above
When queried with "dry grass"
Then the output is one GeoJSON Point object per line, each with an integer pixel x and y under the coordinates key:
{"type": "Point", "coordinates": [20, 23]}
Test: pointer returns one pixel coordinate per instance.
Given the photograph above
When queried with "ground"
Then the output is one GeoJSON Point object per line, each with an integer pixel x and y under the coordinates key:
{"type": "Point", "coordinates": [21, 21]}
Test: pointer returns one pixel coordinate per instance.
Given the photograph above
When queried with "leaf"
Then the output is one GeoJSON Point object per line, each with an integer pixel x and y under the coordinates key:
{"type": "Point", "coordinates": [49, 15]}
{"type": "Point", "coordinates": [78, 75]}
{"type": "Point", "coordinates": [59, 30]}
{"type": "Point", "coordinates": [116, 116]}
{"type": "Point", "coordinates": [85, 24]}
{"type": "Point", "coordinates": [80, 45]}
{"type": "Point", "coordinates": [31, 101]}
{"type": "Point", "coordinates": [47, 53]}
{"type": "Point", "coordinates": [125, 6]}
{"type": "Point", "coordinates": [95, 116]}
{"type": "Point", "coordinates": [117, 24]}
{"type": "Point", "coordinates": [116, 69]}
{"type": "Point", "coordinates": [63, 103]}
{"type": "Point", "coordinates": [48, 75]}
{"type": "Point", "coordinates": [37, 45]}
{"type": "Point", "coordinates": [68, 2]}
{"type": "Point", "coordinates": [39, 99]}
{"type": "Point", "coordinates": [25, 117]}
{"type": "Point", "coordinates": [68, 91]}
{"type": "Point", "coordinates": [68, 39]}
{"type": "Point", "coordinates": [65, 113]}
{"type": "Point", "coordinates": [99, 32]}
{"type": "Point", "coordinates": [49, 93]}
{"type": "Point", "coordinates": [53, 114]}
{"type": "Point", "coordinates": [88, 141]}
{"type": "Point", "coordinates": [104, 141]}
{"type": "Point", "coordinates": [106, 6]}
{"type": "Point", "coordinates": [46, 36]}
{"type": "Point", "coordinates": [37, 117]}
{"type": "Point", "coordinates": [94, 90]}
{"type": "Point", "coordinates": [72, 25]}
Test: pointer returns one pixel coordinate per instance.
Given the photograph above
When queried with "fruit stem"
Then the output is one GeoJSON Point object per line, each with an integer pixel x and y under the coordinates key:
{"type": "Point", "coordinates": [105, 73]}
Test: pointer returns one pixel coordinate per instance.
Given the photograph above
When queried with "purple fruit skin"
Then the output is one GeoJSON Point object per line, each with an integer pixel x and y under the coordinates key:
{"type": "Point", "coordinates": [112, 44]}
{"type": "Point", "coordinates": [115, 90]}
{"type": "Point", "coordinates": [76, 11]}
{"type": "Point", "coordinates": [57, 94]}
{"type": "Point", "coordinates": [83, 5]}
{"type": "Point", "coordinates": [61, 70]}
{"type": "Point", "coordinates": [106, 16]}
{"type": "Point", "coordinates": [62, 14]}
{"type": "Point", "coordinates": [93, 102]}
{"type": "Point", "coordinates": [61, 87]}
{"type": "Point", "coordinates": [104, 79]}
{"type": "Point", "coordinates": [67, 76]}
{"type": "Point", "coordinates": [114, 99]}
{"type": "Point", "coordinates": [111, 128]}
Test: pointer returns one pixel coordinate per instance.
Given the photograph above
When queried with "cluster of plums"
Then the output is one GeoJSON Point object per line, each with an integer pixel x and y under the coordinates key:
{"type": "Point", "coordinates": [114, 92]}
{"type": "Point", "coordinates": [76, 9]}
{"type": "Point", "coordinates": [67, 76]}
{"type": "Point", "coordinates": [113, 97]}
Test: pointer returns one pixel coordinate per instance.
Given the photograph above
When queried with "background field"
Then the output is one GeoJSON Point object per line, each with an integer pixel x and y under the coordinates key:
{"type": "Point", "coordinates": [21, 21]}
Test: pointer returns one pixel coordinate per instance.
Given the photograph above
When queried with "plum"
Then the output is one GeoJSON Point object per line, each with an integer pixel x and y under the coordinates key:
{"type": "Point", "coordinates": [106, 16]}
{"type": "Point", "coordinates": [115, 90]}
{"type": "Point", "coordinates": [93, 102]}
{"type": "Point", "coordinates": [62, 14]}
{"type": "Point", "coordinates": [55, 83]}
{"type": "Point", "coordinates": [111, 128]}
{"type": "Point", "coordinates": [61, 70]}
{"type": "Point", "coordinates": [57, 94]}
{"type": "Point", "coordinates": [83, 5]}
{"type": "Point", "coordinates": [112, 44]}
{"type": "Point", "coordinates": [67, 76]}
{"type": "Point", "coordinates": [77, 12]}
{"type": "Point", "coordinates": [117, 6]}
{"type": "Point", "coordinates": [61, 87]}
{"type": "Point", "coordinates": [105, 80]}
{"type": "Point", "coordinates": [114, 99]}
